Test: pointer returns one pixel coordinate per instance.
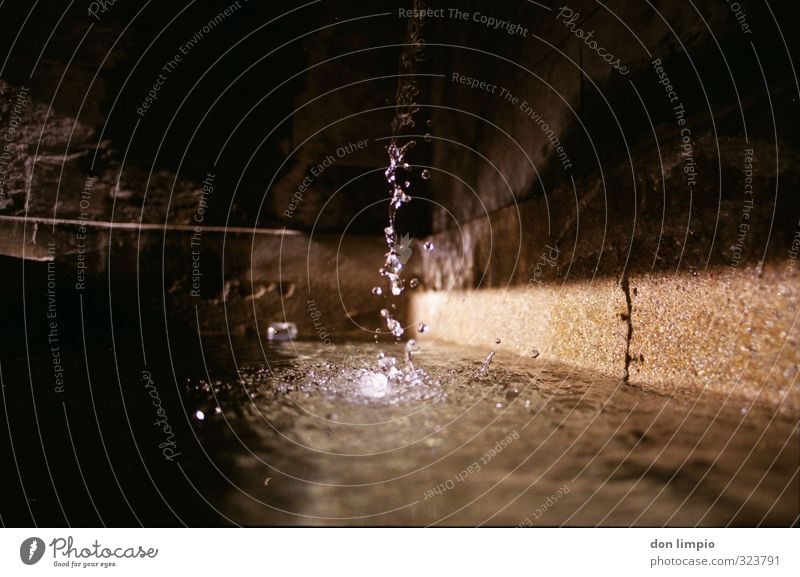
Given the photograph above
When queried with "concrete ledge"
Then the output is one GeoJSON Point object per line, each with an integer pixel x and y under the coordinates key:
{"type": "Point", "coordinates": [734, 334]}
{"type": "Point", "coordinates": [729, 333]}
{"type": "Point", "coordinates": [581, 325]}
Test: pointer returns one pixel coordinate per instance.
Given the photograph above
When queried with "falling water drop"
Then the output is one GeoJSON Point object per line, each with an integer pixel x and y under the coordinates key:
{"type": "Point", "coordinates": [497, 341]}
{"type": "Point", "coordinates": [411, 348]}
{"type": "Point", "coordinates": [413, 283]}
{"type": "Point", "coordinates": [377, 290]}
{"type": "Point", "coordinates": [428, 246]}
{"type": "Point", "coordinates": [428, 123]}
{"type": "Point", "coordinates": [422, 328]}
{"type": "Point", "coordinates": [200, 415]}
{"type": "Point", "coordinates": [406, 106]}
{"type": "Point", "coordinates": [426, 174]}
{"type": "Point", "coordinates": [427, 137]}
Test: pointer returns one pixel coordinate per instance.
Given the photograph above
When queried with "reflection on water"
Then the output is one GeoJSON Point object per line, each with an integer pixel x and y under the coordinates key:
{"type": "Point", "coordinates": [308, 436]}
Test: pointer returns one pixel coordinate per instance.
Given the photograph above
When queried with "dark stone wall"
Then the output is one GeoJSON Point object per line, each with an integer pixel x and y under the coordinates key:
{"type": "Point", "coordinates": [617, 196]}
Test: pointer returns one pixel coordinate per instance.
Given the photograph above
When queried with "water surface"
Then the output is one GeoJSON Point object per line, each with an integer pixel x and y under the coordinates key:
{"type": "Point", "coordinates": [314, 436]}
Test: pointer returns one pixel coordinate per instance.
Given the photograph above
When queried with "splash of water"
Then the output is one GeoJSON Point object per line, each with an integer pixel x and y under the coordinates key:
{"type": "Point", "coordinates": [392, 324]}
{"type": "Point", "coordinates": [378, 383]}
{"type": "Point", "coordinates": [484, 370]}
{"type": "Point", "coordinates": [405, 107]}
{"type": "Point", "coordinates": [388, 377]}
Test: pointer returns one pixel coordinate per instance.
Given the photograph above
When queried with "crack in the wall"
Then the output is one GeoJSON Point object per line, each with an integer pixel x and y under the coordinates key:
{"type": "Point", "coordinates": [628, 318]}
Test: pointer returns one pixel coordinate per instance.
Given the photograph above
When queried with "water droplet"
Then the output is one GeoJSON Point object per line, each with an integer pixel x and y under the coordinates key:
{"type": "Point", "coordinates": [534, 353]}
{"type": "Point", "coordinates": [427, 137]}
{"type": "Point", "coordinates": [200, 415]}
{"type": "Point", "coordinates": [497, 341]}
{"type": "Point", "coordinates": [422, 328]}
{"type": "Point", "coordinates": [486, 362]}
{"type": "Point", "coordinates": [384, 314]}
{"type": "Point", "coordinates": [389, 230]}
{"type": "Point", "coordinates": [217, 411]}
{"type": "Point", "coordinates": [426, 174]}
{"type": "Point", "coordinates": [498, 405]}
{"type": "Point", "coordinates": [407, 183]}
{"type": "Point", "coordinates": [411, 348]}
{"type": "Point", "coordinates": [377, 290]}
{"type": "Point", "coordinates": [428, 246]}
{"type": "Point", "coordinates": [406, 166]}
{"type": "Point", "coordinates": [428, 123]}
{"type": "Point", "coordinates": [414, 283]}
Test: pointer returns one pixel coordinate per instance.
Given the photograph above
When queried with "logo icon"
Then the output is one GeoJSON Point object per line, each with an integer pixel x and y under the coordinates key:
{"type": "Point", "coordinates": [31, 551]}
{"type": "Point", "coordinates": [403, 249]}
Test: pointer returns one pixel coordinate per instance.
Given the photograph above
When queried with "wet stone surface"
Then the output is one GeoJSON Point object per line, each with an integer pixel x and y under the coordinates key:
{"type": "Point", "coordinates": [311, 437]}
